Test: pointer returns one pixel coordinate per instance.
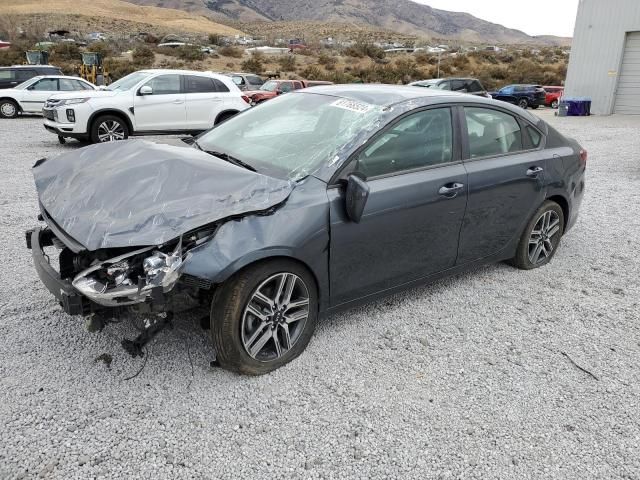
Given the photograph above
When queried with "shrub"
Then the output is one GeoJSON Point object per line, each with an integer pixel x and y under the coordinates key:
{"type": "Point", "coordinates": [313, 72]}
{"type": "Point", "coordinates": [231, 52]}
{"type": "Point", "coordinates": [189, 53]}
{"type": "Point", "coordinates": [362, 49]}
{"type": "Point", "coordinates": [103, 48]}
{"type": "Point", "coordinates": [327, 61]}
{"type": "Point", "coordinates": [143, 56]}
{"type": "Point", "coordinates": [11, 56]}
{"type": "Point", "coordinates": [253, 64]}
{"type": "Point", "coordinates": [65, 51]}
{"type": "Point", "coordinates": [287, 63]}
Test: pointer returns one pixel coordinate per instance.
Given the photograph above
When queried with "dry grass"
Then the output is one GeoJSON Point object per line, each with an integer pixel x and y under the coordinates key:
{"type": "Point", "coordinates": [164, 18]}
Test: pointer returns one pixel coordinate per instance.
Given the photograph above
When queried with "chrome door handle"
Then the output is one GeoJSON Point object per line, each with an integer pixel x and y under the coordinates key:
{"type": "Point", "coordinates": [534, 171]}
{"type": "Point", "coordinates": [178, 102]}
{"type": "Point", "coordinates": [450, 190]}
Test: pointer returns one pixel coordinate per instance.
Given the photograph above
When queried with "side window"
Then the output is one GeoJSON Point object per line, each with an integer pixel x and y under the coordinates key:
{"type": "Point", "coordinates": [457, 85]}
{"type": "Point", "coordinates": [7, 75]}
{"type": "Point", "coordinates": [297, 85]}
{"type": "Point", "coordinates": [444, 86]}
{"type": "Point", "coordinates": [22, 74]}
{"type": "Point", "coordinates": [238, 80]}
{"type": "Point", "coordinates": [81, 85]}
{"type": "Point", "coordinates": [46, 84]}
{"type": "Point", "coordinates": [165, 84]}
{"type": "Point", "coordinates": [285, 87]}
{"type": "Point", "coordinates": [492, 132]}
{"type": "Point", "coordinates": [197, 84]}
{"type": "Point", "coordinates": [254, 80]}
{"type": "Point", "coordinates": [68, 85]}
{"type": "Point", "coordinates": [422, 139]}
{"type": "Point", "coordinates": [474, 87]}
{"type": "Point", "coordinates": [535, 137]}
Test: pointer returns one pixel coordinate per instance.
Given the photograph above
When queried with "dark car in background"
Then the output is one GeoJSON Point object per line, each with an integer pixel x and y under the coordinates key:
{"type": "Point", "coordinates": [317, 201]}
{"type": "Point", "coordinates": [462, 85]}
{"type": "Point", "coordinates": [13, 76]}
{"type": "Point", "coordinates": [246, 81]}
{"type": "Point", "coordinates": [524, 96]}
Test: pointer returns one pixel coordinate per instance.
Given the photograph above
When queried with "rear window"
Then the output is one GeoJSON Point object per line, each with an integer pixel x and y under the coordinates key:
{"type": "Point", "coordinates": [255, 80]}
{"type": "Point", "coordinates": [22, 74]}
{"type": "Point", "coordinates": [220, 87]}
{"type": "Point", "coordinates": [474, 86]}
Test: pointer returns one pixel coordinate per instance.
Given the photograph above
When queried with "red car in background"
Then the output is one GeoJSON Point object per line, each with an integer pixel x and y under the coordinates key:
{"type": "Point", "coordinates": [273, 88]}
{"type": "Point", "coordinates": [553, 96]}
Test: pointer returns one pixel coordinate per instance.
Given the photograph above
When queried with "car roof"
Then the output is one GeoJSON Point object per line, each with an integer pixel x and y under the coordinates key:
{"type": "Point", "coordinates": [409, 97]}
{"type": "Point", "coordinates": [380, 94]}
{"type": "Point", "coordinates": [60, 76]}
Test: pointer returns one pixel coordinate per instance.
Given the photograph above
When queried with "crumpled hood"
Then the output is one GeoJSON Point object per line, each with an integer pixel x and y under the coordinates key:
{"type": "Point", "coordinates": [139, 193]}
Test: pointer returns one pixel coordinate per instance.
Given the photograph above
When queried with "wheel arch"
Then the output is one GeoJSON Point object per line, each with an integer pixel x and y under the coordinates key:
{"type": "Point", "coordinates": [110, 111]}
{"type": "Point", "coordinates": [564, 205]}
{"type": "Point", "coordinates": [228, 111]}
{"type": "Point", "coordinates": [12, 100]}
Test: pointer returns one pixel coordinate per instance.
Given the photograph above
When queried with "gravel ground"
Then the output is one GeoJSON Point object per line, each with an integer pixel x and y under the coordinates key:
{"type": "Point", "coordinates": [465, 378]}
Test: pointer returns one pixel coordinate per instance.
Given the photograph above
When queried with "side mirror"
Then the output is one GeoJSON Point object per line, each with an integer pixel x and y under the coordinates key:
{"type": "Point", "coordinates": [356, 197]}
{"type": "Point", "coordinates": [145, 90]}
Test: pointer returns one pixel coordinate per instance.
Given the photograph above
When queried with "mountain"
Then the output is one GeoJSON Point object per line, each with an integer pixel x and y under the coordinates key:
{"type": "Point", "coordinates": [113, 16]}
{"type": "Point", "coordinates": [402, 16]}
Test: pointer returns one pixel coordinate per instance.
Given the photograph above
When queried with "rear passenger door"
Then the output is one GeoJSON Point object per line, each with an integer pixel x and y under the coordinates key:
{"type": "Point", "coordinates": [505, 166]}
{"type": "Point", "coordinates": [204, 101]}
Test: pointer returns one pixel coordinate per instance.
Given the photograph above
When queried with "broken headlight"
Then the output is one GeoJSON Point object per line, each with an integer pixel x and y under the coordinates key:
{"type": "Point", "coordinates": [130, 278]}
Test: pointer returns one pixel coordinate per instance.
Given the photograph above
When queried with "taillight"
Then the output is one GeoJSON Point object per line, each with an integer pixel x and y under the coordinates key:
{"type": "Point", "coordinates": [583, 156]}
{"type": "Point", "coordinates": [246, 98]}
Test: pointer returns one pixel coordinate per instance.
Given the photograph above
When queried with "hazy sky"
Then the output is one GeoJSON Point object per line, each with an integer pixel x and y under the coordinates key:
{"type": "Point", "coordinates": [537, 17]}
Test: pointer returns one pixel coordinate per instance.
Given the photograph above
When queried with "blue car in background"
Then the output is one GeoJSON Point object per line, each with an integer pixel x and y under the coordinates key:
{"type": "Point", "coordinates": [524, 96]}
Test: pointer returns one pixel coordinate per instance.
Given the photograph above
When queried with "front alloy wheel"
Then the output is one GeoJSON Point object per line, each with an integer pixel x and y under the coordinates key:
{"type": "Point", "coordinates": [275, 316]}
{"type": "Point", "coordinates": [541, 237]}
{"type": "Point", "coordinates": [109, 128]}
{"type": "Point", "coordinates": [264, 316]}
{"type": "Point", "coordinates": [523, 103]}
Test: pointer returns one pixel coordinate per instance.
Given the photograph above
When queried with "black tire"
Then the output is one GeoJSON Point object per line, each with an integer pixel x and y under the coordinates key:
{"type": "Point", "coordinates": [224, 117]}
{"type": "Point", "coordinates": [523, 259]}
{"type": "Point", "coordinates": [108, 121]}
{"type": "Point", "coordinates": [534, 107]}
{"type": "Point", "coordinates": [9, 108]}
{"type": "Point", "coordinates": [523, 103]}
{"type": "Point", "coordinates": [228, 311]}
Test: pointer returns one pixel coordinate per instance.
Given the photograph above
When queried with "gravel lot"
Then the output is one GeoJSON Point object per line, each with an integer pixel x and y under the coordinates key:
{"type": "Point", "coordinates": [465, 378]}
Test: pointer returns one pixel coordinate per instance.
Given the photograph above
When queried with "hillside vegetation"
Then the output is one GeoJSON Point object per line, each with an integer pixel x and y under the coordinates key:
{"type": "Point", "coordinates": [114, 16]}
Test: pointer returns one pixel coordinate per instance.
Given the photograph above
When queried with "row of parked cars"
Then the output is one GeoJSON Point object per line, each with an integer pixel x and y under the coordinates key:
{"type": "Point", "coordinates": [524, 96]}
{"type": "Point", "coordinates": [145, 102]}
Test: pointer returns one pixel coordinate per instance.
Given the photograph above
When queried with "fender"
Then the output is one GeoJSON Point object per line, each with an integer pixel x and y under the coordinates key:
{"type": "Point", "coordinates": [111, 111]}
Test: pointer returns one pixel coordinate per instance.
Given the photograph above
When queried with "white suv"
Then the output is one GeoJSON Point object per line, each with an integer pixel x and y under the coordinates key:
{"type": "Point", "coordinates": [145, 102]}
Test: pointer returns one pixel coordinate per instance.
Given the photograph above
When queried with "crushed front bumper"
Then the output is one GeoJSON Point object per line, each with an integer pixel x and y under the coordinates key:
{"type": "Point", "coordinates": [70, 300]}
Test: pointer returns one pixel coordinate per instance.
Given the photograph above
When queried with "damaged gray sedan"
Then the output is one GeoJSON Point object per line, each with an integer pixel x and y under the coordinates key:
{"type": "Point", "coordinates": [311, 203]}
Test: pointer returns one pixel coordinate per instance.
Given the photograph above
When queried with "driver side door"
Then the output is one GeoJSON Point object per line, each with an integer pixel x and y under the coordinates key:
{"type": "Point", "coordinates": [36, 94]}
{"type": "Point", "coordinates": [164, 109]}
{"type": "Point", "coordinates": [412, 219]}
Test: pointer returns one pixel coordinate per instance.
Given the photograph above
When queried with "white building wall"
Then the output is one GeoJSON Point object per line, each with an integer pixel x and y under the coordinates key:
{"type": "Point", "coordinates": [597, 49]}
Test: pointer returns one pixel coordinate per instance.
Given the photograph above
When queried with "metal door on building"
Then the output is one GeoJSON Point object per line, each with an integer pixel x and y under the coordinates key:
{"type": "Point", "coordinates": [628, 93]}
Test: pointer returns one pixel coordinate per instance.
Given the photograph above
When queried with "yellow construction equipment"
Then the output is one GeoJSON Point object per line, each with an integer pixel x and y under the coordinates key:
{"type": "Point", "coordinates": [92, 69]}
{"type": "Point", "coordinates": [37, 57]}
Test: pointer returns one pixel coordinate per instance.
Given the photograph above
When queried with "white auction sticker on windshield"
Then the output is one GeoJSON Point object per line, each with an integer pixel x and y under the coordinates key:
{"type": "Point", "coordinates": [352, 105]}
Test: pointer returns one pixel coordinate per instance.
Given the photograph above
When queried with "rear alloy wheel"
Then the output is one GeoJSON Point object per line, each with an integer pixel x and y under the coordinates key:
{"type": "Point", "coordinates": [541, 237]}
{"type": "Point", "coordinates": [264, 316]}
{"type": "Point", "coordinates": [554, 104]}
{"type": "Point", "coordinates": [8, 109]}
{"type": "Point", "coordinates": [109, 128]}
{"type": "Point", "coordinates": [523, 103]}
